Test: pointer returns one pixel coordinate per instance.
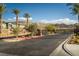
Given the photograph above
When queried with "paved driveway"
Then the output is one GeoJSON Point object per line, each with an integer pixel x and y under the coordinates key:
{"type": "Point", "coordinates": [36, 47]}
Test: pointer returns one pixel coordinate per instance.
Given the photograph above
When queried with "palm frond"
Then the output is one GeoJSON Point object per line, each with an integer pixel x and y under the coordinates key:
{"type": "Point", "coordinates": [16, 11]}
{"type": "Point", "coordinates": [27, 15]}
{"type": "Point", "coordinates": [2, 8]}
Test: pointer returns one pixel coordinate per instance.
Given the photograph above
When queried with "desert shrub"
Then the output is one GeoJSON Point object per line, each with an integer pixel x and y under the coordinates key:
{"type": "Point", "coordinates": [16, 31]}
{"type": "Point", "coordinates": [33, 29]}
{"type": "Point", "coordinates": [76, 30]}
{"type": "Point", "coordinates": [50, 28]}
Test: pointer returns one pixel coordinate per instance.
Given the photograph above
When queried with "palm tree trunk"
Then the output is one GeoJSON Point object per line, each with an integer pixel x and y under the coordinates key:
{"type": "Point", "coordinates": [41, 32]}
{"type": "Point", "coordinates": [16, 20]}
{"type": "Point", "coordinates": [17, 37]}
{"type": "Point", "coordinates": [0, 23]}
{"type": "Point", "coordinates": [76, 29]}
{"type": "Point", "coordinates": [27, 22]}
{"type": "Point", "coordinates": [78, 18]}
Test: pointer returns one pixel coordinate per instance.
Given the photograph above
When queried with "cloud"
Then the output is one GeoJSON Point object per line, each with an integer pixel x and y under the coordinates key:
{"type": "Point", "coordinates": [59, 21]}
{"type": "Point", "coordinates": [20, 18]}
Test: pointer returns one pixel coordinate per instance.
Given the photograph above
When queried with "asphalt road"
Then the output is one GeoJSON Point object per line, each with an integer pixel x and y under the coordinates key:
{"type": "Point", "coordinates": [36, 47]}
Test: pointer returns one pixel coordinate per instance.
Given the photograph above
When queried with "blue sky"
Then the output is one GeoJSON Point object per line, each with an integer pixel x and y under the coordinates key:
{"type": "Point", "coordinates": [46, 12]}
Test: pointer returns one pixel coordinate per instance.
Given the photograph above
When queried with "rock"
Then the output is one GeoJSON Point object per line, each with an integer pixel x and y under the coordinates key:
{"type": "Point", "coordinates": [72, 42]}
{"type": "Point", "coordinates": [77, 40]}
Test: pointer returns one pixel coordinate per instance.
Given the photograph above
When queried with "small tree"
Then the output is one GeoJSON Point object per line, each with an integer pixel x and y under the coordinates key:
{"type": "Point", "coordinates": [50, 28]}
{"type": "Point", "coordinates": [16, 31]}
{"type": "Point", "coordinates": [33, 29]}
{"type": "Point", "coordinates": [6, 25]}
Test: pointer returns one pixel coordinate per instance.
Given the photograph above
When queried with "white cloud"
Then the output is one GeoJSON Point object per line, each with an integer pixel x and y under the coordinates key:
{"type": "Point", "coordinates": [59, 21]}
{"type": "Point", "coordinates": [20, 18]}
{"type": "Point", "coordinates": [30, 18]}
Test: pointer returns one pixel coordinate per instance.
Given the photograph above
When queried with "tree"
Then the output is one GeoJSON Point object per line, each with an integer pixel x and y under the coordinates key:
{"type": "Point", "coordinates": [50, 28]}
{"type": "Point", "coordinates": [27, 16]}
{"type": "Point", "coordinates": [75, 10]}
{"type": "Point", "coordinates": [7, 25]}
{"type": "Point", "coordinates": [16, 31]}
{"type": "Point", "coordinates": [33, 29]}
{"type": "Point", "coordinates": [2, 9]}
{"type": "Point", "coordinates": [16, 12]}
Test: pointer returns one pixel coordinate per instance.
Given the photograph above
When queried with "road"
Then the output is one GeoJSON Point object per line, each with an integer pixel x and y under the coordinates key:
{"type": "Point", "coordinates": [36, 47]}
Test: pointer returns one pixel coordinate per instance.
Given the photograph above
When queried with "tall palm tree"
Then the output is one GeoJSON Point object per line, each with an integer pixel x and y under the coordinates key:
{"type": "Point", "coordinates": [16, 12]}
{"type": "Point", "coordinates": [2, 9]}
{"type": "Point", "coordinates": [75, 9]}
{"type": "Point", "coordinates": [27, 16]}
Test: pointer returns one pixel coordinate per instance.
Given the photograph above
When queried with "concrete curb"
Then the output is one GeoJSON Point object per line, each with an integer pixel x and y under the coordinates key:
{"type": "Point", "coordinates": [65, 48]}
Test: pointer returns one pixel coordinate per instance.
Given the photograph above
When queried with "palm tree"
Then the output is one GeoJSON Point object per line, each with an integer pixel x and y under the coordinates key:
{"type": "Point", "coordinates": [27, 16]}
{"type": "Point", "coordinates": [16, 12]}
{"type": "Point", "coordinates": [2, 9]}
{"type": "Point", "coordinates": [75, 10]}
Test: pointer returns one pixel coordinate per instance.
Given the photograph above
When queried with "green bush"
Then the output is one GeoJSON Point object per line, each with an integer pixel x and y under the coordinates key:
{"type": "Point", "coordinates": [16, 31]}
{"type": "Point", "coordinates": [33, 29]}
{"type": "Point", "coordinates": [50, 28]}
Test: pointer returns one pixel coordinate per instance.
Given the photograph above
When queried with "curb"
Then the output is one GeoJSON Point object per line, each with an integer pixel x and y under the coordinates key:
{"type": "Point", "coordinates": [64, 47]}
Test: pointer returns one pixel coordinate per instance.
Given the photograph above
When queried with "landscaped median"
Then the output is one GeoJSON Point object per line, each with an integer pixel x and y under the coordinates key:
{"type": "Point", "coordinates": [13, 39]}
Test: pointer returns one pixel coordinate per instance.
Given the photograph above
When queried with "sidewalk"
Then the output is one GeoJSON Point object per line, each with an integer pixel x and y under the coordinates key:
{"type": "Point", "coordinates": [73, 48]}
{"type": "Point", "coordinates": [59, 51]}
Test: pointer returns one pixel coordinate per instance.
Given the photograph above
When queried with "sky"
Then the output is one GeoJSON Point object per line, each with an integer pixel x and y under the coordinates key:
{"type": "Point", "coordinates": [41, 12]}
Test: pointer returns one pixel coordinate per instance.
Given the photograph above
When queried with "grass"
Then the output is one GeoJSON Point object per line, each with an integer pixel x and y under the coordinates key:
{"type": "Point", "coordinates": [5, 34]}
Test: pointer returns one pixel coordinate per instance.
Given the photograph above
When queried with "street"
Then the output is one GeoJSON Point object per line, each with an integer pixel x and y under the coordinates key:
{"type": "Point", "coordinates": [36, 47]}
